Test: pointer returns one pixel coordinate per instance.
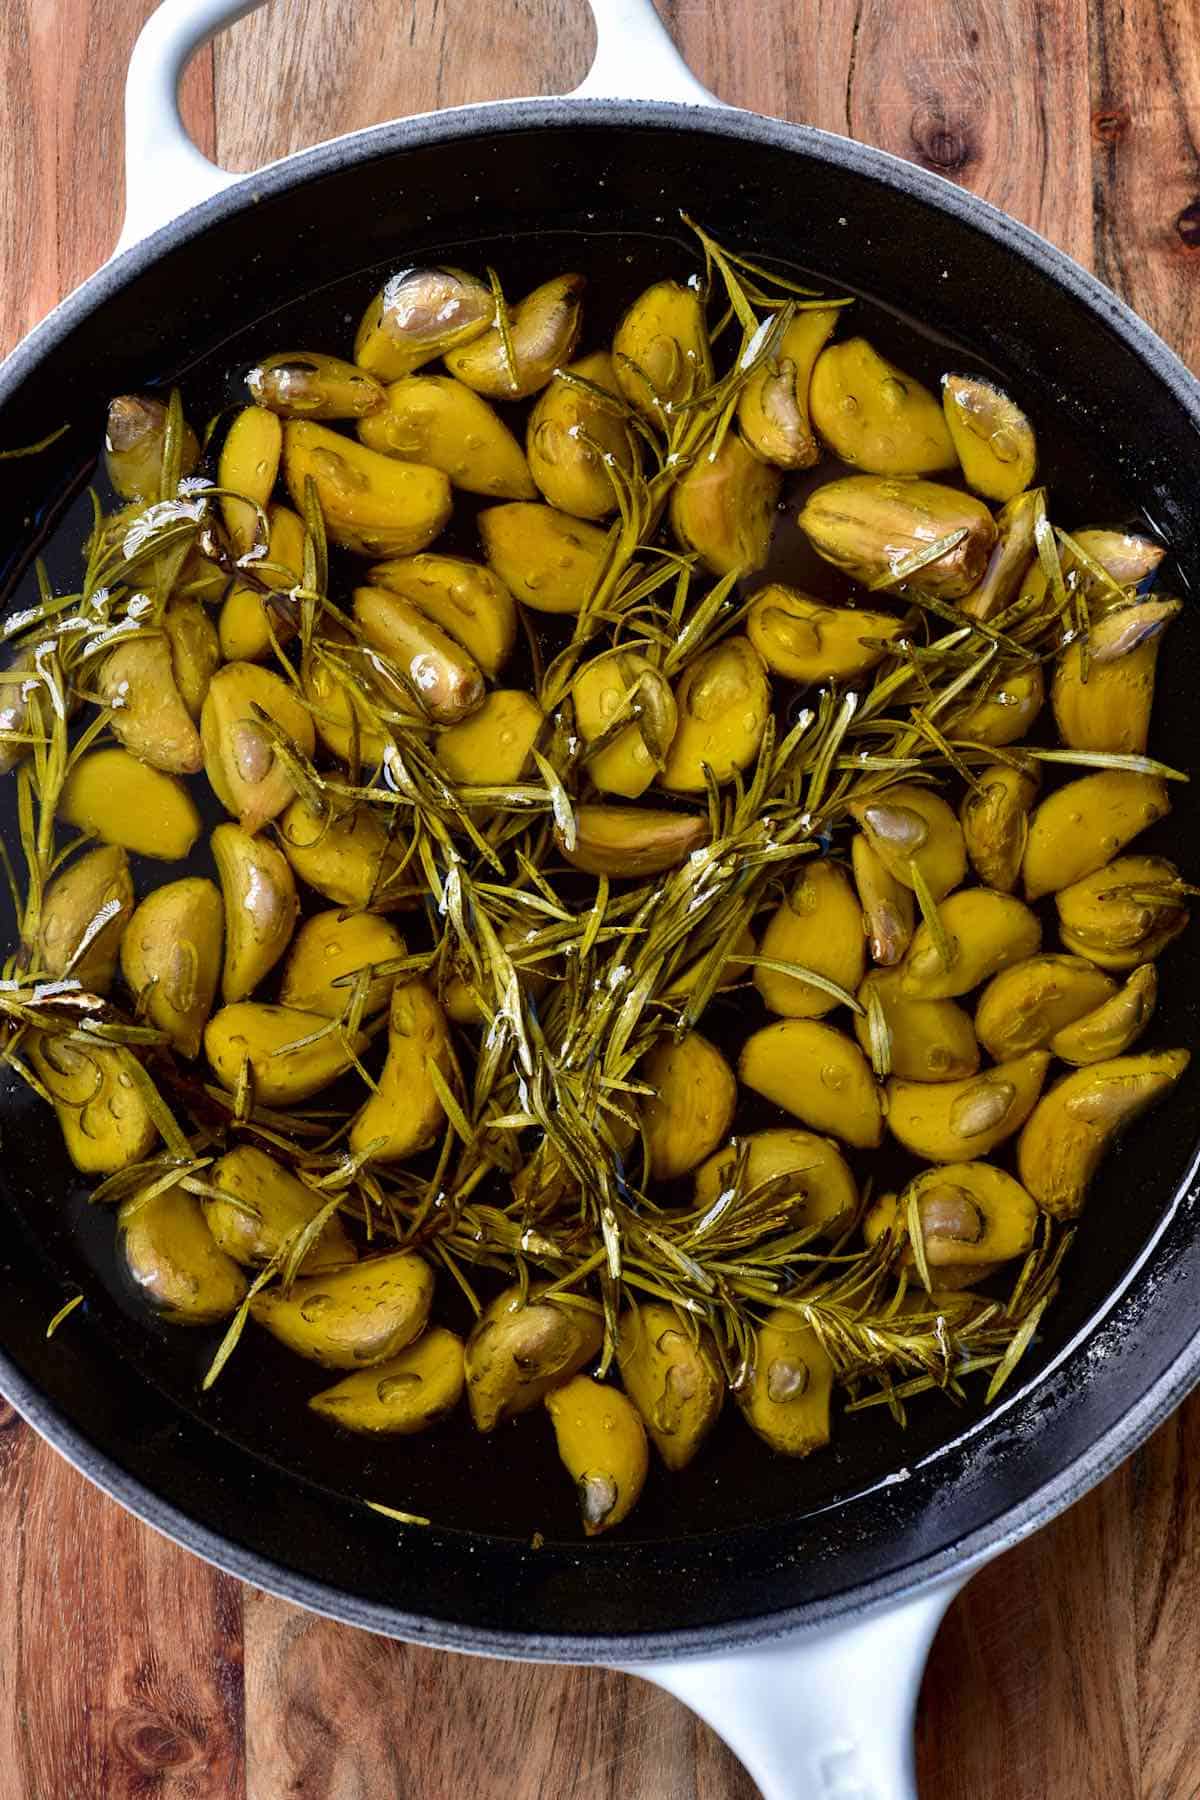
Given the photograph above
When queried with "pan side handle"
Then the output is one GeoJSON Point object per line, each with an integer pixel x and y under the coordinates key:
{"type": "Point", "coordinates": [165, 174]}
{"type": "Point", "coordinates": [824, 1715]}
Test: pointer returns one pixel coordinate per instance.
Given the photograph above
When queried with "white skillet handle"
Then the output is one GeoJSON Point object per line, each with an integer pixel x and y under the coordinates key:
{"type": "Point", "coordinates": [165, 173]}
{"type": "Point", "coordinates": [826, 1715]}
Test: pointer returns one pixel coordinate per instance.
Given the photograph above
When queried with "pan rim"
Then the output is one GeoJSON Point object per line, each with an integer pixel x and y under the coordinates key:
{"type": "Point", "coordinates": [1153, 1403]}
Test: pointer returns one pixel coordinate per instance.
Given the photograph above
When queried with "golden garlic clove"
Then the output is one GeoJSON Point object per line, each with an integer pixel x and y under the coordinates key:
{"type": "Point", "coordinates": [1124, 914]}
{"type": "Point", "coordinates": [661, 352]}
{"type": "Point", "coordinates": [907, 825]}
{"type": "Point", "coordinates": [820, 927]}
{"type": "Point", "coordinates": [345, 856]}
{"type": "Point", "coordinates": [692, 1106]}
{"type": "Point", "coordinates": [722, 704]}
{"type": "Point", "coordinates": [1006, 710]}
{"type": "Point", "coordinates": [804, 1175]}
{"type": "Point", "coordinates": [266, 1211]}
{"type": "Point", "coordinates": [672, 1374]}
{"type": "Point", "coordinates": [328, 951]}
{"type": "Point", "coordinates": [1024, 1007]}
{"type": "Point", "coordinates": [984, 932]}
{"type": "Point", "coordinates": [621, 684]}
{"type": "Point", "coordinates": [953, 1121]}
{"type": "Point", "coordinates": [135, 436]}
{"type": "Point", "coordinates": [1074, 1124]}
{"type": "Point", "coordinates": [84, 915]}
{"type": "Point", "coordinates": [723, 508]}
{"type": "Point", "coordinates": [248, 469]}
{"type": "Point", "coordinates": [261, 907]}
{"type": "Point", "coordinates": [787, 1396]}
{"type": "Point", "coordinates": [173, 1261]}
{"type": "Point", "coordinates": [547, 559]}
{"type": "Point", "coordinates": [291, 1055]}
{"type": "Point", "coordinates": [124, 801]}
{"type": "Point", "coordinates": [992, 437]}
{"type": "Point", "coordinates": [371, 504]}
{"type": "Point", "coordinates": [253, 622]}
{"type": "Point", "coordinates": [436, 420]}
{"type": "Point", "coordinates": [806, 640]}
{"type": "Point", "coordinates": [244, 771]}
{"type": "Point", "coordinates": [972, 1215]}
{"type": "Point", "coordinates": [773, 414]}
{"type": "Point", "coordinates": [1011, 558]}
{"type": "Point", "coordinates": [195, 650]}
{"type": "Point", "coordinates": [602, 1443]}
{"type": "Point", "coordinates": [926, 1040]}
{"type": "Point", "coordinates": [870, 527]}
{"type": "Point", "coordinates": [523, 1346]}
{"type": "Point", "coordinates": [303, 384]}
{"type": "Point", "coordinates": [574, 437]}
{"type": "Point", "coordinates": [1085, 824]}
{"type": "Point", "coordinates": [408, 1393]}
{"type": "Point", "coordinates": [352, 1317]}
{"type": "Point", "coordinates": [464, 598]}
{"type": "Point", "coordinates": [136, 681]}
{"type": "Point", "coordinates": [494, 747]}
{"type": "Point", "coordinates": [436, 672]}
{"type": "Point", "coordinates": [1106, 705]}
{"type": "Point", "coordinates": [817, 1074]}
{"type": "Point", "coordinates": [887, 904]}
{"type": "Point", "coordinates": [1114, 1026]}
{"type": "Point", "coordinates": [543, 330]}
{"type": "Point", "coordinates": [105, 1123]}
{"type": "Point", "coordinates": [876, 417]}
{"type": "Point", "coordinates": [995, 823]}
{"type": "Point", "coordinates": [419, 314]}
{"type": "Point", "coordinates": [171, 958]}
{"type": "Point", "coordinates": [405, 1113]}
{"type": "Point", "coordinates": [631, 841]}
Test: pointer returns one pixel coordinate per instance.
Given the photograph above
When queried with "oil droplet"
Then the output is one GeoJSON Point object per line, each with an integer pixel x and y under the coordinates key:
{"type": "Point", "coordinates": [786, 1381]}
{"type": "Point", "coordinates": [833, 1077]}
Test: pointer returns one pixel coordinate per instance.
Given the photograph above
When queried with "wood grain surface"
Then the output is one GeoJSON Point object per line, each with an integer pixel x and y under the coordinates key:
{"type": "Point", "coordinates": [1068, 1670]}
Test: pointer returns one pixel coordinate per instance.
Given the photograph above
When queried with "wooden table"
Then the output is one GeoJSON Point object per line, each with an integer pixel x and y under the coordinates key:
{"type": "Point", "coordinates": [1068, 1671]}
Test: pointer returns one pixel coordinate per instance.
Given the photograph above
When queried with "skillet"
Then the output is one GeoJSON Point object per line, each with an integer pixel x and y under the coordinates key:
{"type": "Point", "coordinates": [792, 1605]}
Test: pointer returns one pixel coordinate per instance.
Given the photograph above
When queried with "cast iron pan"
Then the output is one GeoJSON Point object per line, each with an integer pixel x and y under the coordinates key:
{"type": "Point", "coordinates": [746, 1545]}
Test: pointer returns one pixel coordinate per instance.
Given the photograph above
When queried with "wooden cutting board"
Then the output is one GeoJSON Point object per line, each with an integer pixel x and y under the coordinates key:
{"type": "Point", "coordinates": [1068, 1670]}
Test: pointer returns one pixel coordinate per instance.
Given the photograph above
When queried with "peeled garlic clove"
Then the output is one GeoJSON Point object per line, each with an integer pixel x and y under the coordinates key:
{"type": "Point", "coordinates": [661, 352]}
{"type": "Point", "coordinates": [247, 776]}
{"type": "Point", "coordinates": [137, 683]}
{"type": "Point", "coordinates": [695, 1094]}
{"type": "Point", "coordinates": [104, 1119]}
{"type": "Point", "coordinates": [170, 1255]}
{"type": "Point", "coordinates": [494, 747]}
{"type": "Point", "coordinates": [621, 684]}
{"type": "Point", "coordinates": [1026, 1006]}
{"type": "Point", "coordinates": [261, 907]}
{"type": "Point", "coordinates": [876, 417]}
{"type": "Point", "coordinates": [346, 856]}
{"type": "Point", "coordinates": [602, 1443]}
{"type": "Point", "coordinates": [1073, 1126]}
{"type": "Point", "coordinates": [351, 1317]}
{"type": "Point", "coordinates": [419, 314]}
{"type": "Point", "coordinates": [723, 507]}
{"type": "Point", "coordinates": [135, 436]}
{"type": "Point", "coordinates": [438, 673]}
{"type": "Point", "coordinates": [787, 1397]}
{"type": "Point", "coordinates": [995, 823]}
{"type": "Point", "coordinates": [124, 801]}
{"type": "Point", "coordinates": [927, 1040]}
{"type": "Point", "coordinates": [818, 1075]}
{"type": "Point", "coordinates": [722, 703]}
{"type": "Point", "coordinates": [631, 841]}
{"type": "Point", "coordinates": [806, 640]}
{"type": "Point", "coordinates": [672, 1373]}
{"type": "Point", "coordinates": [249, 469]}
{"type": "Point", "coordinates": [991, 435]}
{"type": "Point", "coordinates": [405, 1113]}
{"type": "Point", "coordinates": [464, 598]}
{"type": "Point", "coordinates": [972, 1215]}
{"type": "Point", "coordinates": [820, 927]}
{"type": "Point", "coordinates": [266, 1210]}
{"type": "Point", "coordinates": [436, 420]}
{"type": "Point", "coordinates": [984, 932]}
{"type": "Point", "coordinates": [1124, 914]}
{"type": "Point", "coordinates": [805, 1175]}
{"type": "Point", "coordinates": [773, 414]}
{"type": "Point", "coordinates": [302, 384]}
{"type": "Point", "coordinates": [1108, 705]}
{"type": "Point", "coordinates": [85, 912]}
{"type": "Point", "coordinates": [195, 650]}
{"type": "Point", "coordinates": [869, 526]}
{"type": "Point", "coordinates": [1114, 1026]}
{"type": "Point", "coordinates": [371, 504]}
{"type": "Point", "coordinates": [286, 1068]}
{"type": "Point", "coordinates": [1007, 709]}
{"type": "Point", "coordinates": [953, 1121]}
{"type": "Point", "coordinates": [523, 1346]}
{"type": "Point", "coordinates": [171, 958]}
{"type": "Point", "coordinates": [547, 559]}
{"type": "Point", "coordinates": [408, 1393]}
{"type": "Point", "coordinates": [1085, 824]}
{"type": "Point", "coordinates": [331, 948]}
{"type": "Point", "coordinates": [907, 824]}
{"type": "Point", "coordinates": [887, 904]}
{"type": "Point", "coordinates": [543, 330]}
{"type": "Point", "coordinates": [1011, 557]}
{"type": "Point", "coordinates": [574, 437]}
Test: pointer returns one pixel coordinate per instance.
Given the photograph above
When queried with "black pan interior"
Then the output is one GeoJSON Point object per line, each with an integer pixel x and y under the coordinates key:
{"type": "Point", "coordinates": [742, 1534]}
